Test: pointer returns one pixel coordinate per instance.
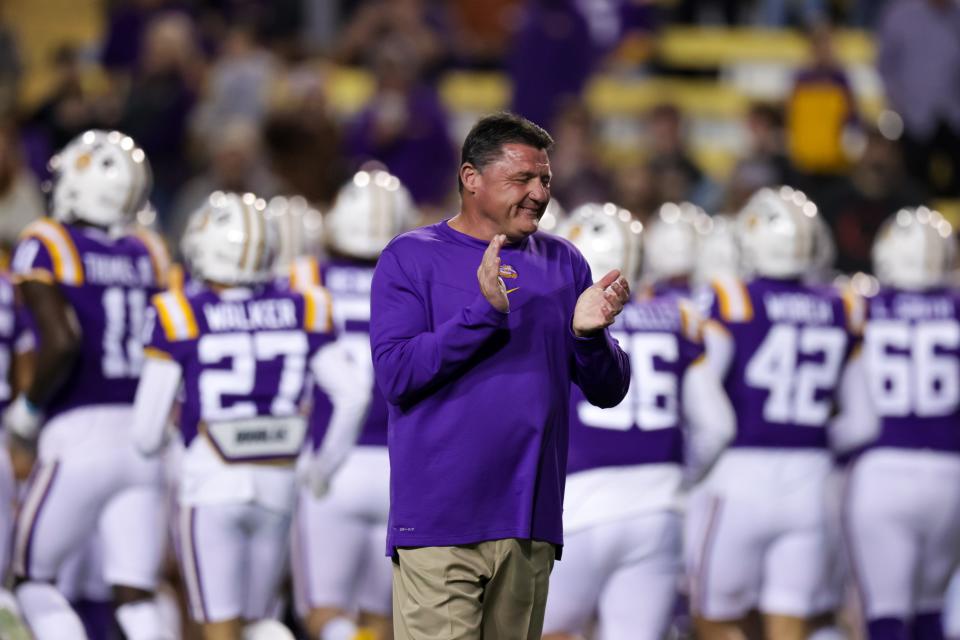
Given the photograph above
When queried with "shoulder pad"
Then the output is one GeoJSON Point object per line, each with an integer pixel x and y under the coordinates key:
{"type": "Point", "coordinates": [305, 273]}
{"type": "Point", "coordinates": [856, 311]}
{"type": "Point", "coordinates": [691, 322]}
{"type": "Point", "coordinates": [176, 316]}
{"type": "Point", "coordinates": [67, 267]}
{"type": "Point", "coordinates": [733, 299]}
{"type": "Point", "coordinates": [317, 310]}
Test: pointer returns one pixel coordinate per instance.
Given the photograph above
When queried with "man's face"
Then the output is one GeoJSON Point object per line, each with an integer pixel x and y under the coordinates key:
{"type": "Point", "coordinates": [513, 190]}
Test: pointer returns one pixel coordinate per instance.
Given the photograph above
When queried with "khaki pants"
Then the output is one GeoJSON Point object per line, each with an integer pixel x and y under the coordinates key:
{"type": "Point", "coordinates": [494, 590]}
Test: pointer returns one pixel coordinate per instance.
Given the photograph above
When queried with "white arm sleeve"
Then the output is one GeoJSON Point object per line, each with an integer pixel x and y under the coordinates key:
{"type": "Point", "coordinates": [719, 347]}
{"type": "Point", "coordinates": [348, 388]}
{"type": "Point", "coordinates": [857, 424]}
{"type": "Point", "coordinates": [159, 382]}
{"type": "Point", "coordinates": [710, 419]}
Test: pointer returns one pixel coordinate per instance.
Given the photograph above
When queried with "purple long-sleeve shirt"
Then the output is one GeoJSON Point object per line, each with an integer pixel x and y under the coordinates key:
{"type": "Point", "coordinates": [478, 399]}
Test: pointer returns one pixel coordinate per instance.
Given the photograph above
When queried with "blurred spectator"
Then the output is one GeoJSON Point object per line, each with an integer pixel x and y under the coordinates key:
{"type": "Point", "coordinates": [819, 110]}
{"type": "Point", "coordinates": [857, 206]}
{"type": "Point", "coordinates": [11, 69]}
{"type": "Point", "coordinates": [676, 176]}
{"type": "Point", "coordinates": [635, 191]}
{"type": "Point", "coordinates": [919, 60]}
{"type": "Point", "coordinates": [560, 43]}
{"type": "Point", "coordinates": [551, 58]}
{"type": "Point", "coordinates": [278, 24]}
{"type": "Point", "coordinates": [777, 13]}
{"type": "Point", "coordinates": [235, 165]}
{"type": "Point", "coordinates": [65, 112]}
{"type": "Point", "coordinates": [161, 97]}
{"type": "Point", "coordinates": [303, 140]}
{"type": "Point", "coordinates": [866, 13]}
{"type": "Point", "coordinates": [481, 31]}
{"type": "Point", "coordinates": [127, 24]}
{"type": "Point", "coordinates": [578, 174]}
{"type": "Point", "coordinates": [238, 84]}
{"type": "Point", "coordinates": [404, 126]}
{"type": "Point", "coordinates": [20, 198]}
{"type": "Point", "coordinates": [766, 162]}
{"type": "Point", "coordinates": [691, 11]}
{"type": "Point", "coordinates": [421, 24]}
{"type": "Point", "coordinates": [321, 26]}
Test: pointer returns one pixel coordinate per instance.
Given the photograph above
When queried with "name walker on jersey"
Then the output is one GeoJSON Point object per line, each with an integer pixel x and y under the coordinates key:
{"type": "Point", "coordinates": [252, 315]}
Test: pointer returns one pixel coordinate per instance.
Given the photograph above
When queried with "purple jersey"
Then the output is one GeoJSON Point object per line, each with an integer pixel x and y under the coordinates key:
{"type": "Point", "coordinates": [107, 281]}
{"type": "Point", "coordinates": [348, 282]}
{"type": "Point", "coordinates": [790, 345]}
{"type": "Point", "coordinates": [244, 355]}
{"type": "Point", "coordinates": [661, 336]}
{"type": "Point", "coordinates": [912, 350]}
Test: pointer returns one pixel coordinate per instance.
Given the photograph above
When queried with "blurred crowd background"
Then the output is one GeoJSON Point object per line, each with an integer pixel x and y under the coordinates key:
{"type": "Point", "coordinates": [855, 101]}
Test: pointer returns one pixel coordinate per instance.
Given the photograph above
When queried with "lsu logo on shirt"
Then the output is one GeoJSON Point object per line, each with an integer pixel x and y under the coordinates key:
{"type": "Point", "coordinates": [506, 271]}
{"type": "Point", "coordinates": [509, 273]}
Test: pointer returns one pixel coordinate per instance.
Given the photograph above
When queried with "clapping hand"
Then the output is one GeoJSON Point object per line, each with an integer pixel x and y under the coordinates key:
{"type": "Point", "coordinates": [599, 305]}
{"type": "Point", "coordinates": [488, 274]}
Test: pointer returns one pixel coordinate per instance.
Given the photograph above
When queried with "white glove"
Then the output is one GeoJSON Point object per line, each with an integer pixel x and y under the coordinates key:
{"type": "Point", "coordinates": [22, 418]}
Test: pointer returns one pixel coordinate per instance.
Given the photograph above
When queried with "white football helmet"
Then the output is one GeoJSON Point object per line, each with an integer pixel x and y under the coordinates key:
{"type": "Point", "coordinates": [914, 250]}
{"type": "Point", "coordinates": [100, 177]}
{"type": "Point", "coordinates": [671, 242]}
{"type": "Point", "coordinates": [607, 236]}
{"type": "Point", "coordinates": [299, 230]}
{"type": "Point", "coordinates": [718, 254]}
{"type": "Point", "coordinates": [552, 217]}
{"type": "Point", "coordinates": [776, 230]}
{"type": "Point", "coordinates": [229, 240]}
{"type": "Point", "coordinates": [369, 211]}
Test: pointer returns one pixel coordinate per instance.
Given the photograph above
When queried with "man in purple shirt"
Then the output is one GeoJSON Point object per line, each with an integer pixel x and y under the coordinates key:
{"type": "Point", "coordinates": [478, 326]}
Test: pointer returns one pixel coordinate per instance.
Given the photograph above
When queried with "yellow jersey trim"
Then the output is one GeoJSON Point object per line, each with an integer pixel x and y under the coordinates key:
{"type": "Point", "coordinates": [67, 267]}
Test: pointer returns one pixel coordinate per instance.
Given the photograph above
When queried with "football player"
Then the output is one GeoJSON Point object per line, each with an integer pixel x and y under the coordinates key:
{"type": "Point", "coordinates": [16, 360]}
{"type": "Point", "coordinates": [338, 541]}
{"type": "Point", "coordinates": [758, 531]}
{"type": "Point", "coordinates": [86, 282]}
{"type": "Point", "coordinates": [299, 231]}
{"type": "Point", "coordinates": [718, 255]}
{"type": "Point", "coordinates": [903, 501]}
{"type": "Point", "coordinates": [241, 348]}
{"type": "Point", "coordinates": [670, 257]}
{"type": "Point", "coordinates": [622, 526]}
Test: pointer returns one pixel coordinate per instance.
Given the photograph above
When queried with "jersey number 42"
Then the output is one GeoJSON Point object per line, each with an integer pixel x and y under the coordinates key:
{"type": "Point", "coordinates": [795, 365]}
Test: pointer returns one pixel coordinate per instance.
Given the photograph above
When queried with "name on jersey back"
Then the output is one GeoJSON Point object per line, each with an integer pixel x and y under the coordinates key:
{"type": "Point", "coordinates": [798, 307]}
{"type": "Point", "coordinates": [113, 270]}
{"type": "Point", "coordinates": [251, 315]}
{"type": "Point", "coordinates": [657, 316]}
{"type": "Point", "coordinates": [908, 306]}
